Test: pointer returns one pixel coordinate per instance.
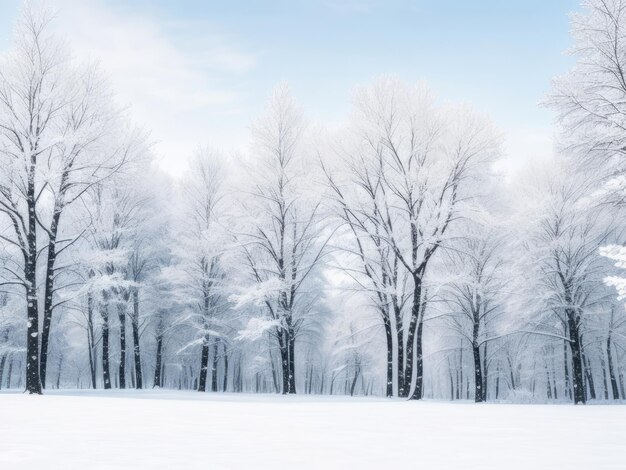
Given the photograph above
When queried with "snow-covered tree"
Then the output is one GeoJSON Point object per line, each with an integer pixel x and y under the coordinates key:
{"type": "Point", "coordinates": [59, 136]}
{"type": "Point", "coordinates": [281, 237]}
{"type": "Point", "coordinates": [410, 164]}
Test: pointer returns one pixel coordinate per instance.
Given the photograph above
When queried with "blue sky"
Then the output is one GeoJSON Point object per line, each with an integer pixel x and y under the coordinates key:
{"type": "Point", "coordinates": [224, 57]}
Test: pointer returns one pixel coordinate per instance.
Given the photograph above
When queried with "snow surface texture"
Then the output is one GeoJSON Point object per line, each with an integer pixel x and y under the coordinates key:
{"type": "Point", "coordinates": [186, 430]}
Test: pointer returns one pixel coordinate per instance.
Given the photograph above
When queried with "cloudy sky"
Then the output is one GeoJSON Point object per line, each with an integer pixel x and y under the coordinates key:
{"type": "Point", "coordinates": [197, 72]}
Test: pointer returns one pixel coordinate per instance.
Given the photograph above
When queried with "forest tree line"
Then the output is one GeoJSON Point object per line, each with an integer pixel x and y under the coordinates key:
{"type": "Point", "coordinates": [392, 255]}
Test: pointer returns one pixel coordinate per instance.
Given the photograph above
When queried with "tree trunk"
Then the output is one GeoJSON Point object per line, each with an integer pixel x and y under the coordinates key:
{"type": "Point", "coordinates": [274, 372]}
{"type": "Point", "coordinates": [2, 364]}
{"type": "Point", "coordinates": [589, 376]}
{"type": "Point", "coordinates": [104, 312]}
{"type": "Point", "coordinates": [204, 364]}
{"type": "Point", "coordinates": [511, 372]}
{"type": "Point", "coordinates": [577, 364]}
{"type": "Point", "coordinates": [214, 367]}
{"type": "Point", "coordinates": [410, 338]}
{"type": "Point", "coordinates": [91, 342]}
{"type": "Point", "coordinates": [121, 314]}
{"type": "Point", "coordinates": [292, 361]}
{"type": "Point", "coordinates": [485, 373]}
{"type": "Point", "coordinates": [225, 383]}
{"type": "Point", "coordinates": [548, 384]}
{"type": "Point", "coordinates": [49, 291]}
{"type": "Point", "coordinates": [555, 390]}
{"type": "Point", "coordinates": [611, 370]}
{"type": "Point", "coordinates": [497, 390]}
{"type": "Point", "coordinates": [33, 383]}
{"type": "Point", "coordinates": [389, 339]}
{"type": "Point", "coordinates": [9, 372]}
{"type": "Point", "coordinates": [33, 379]}
{"type": "Point", "coordinates": [136, 345]}
{"type": "Point", "coordinates": [284, 360]}
{"type": "Point", "coordinates": [418, 391]}
{"type": "Point", "coordinates": [451, 380]}
{"type": "Point", "coordinates": [478, 374]}
{"type": "Point", "coordinates": [60, 368]}
{"type": "Point", "coordinates": [357, 372]}
{"type": "Point", "coordinates": [158, 361]}
{"type": "Point", "coordinates": [568, 390]}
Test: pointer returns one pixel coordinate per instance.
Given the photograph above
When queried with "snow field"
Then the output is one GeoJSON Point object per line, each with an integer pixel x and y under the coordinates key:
{"type": "Point", "coordinates": [187, 430]}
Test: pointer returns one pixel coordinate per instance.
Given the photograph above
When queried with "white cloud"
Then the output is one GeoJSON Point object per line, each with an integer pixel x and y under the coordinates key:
{"type": "Point", "coordinates": [174, 75]}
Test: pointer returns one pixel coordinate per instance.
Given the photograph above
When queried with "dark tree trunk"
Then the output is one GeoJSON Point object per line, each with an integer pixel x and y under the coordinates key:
{"type": "Point", "coordinates": [402, 387]}
{"type": "Point", "coordinates": [451, 380]}
{"type": "Point", "coordinates": [2, 364]}
{"type": "Point", "coordinates": [237, 382]}
{"type": "Point", "coordinates": [418, 391]}
{"type": "Point", "coordinates": [274, 371]}
{"type": "Point", "coordinates": [568, 390]}
{"type": "Point", "coordinates": [33, 379]}
{"type": "Point", "coordinates": [389, 339]}
{"type": "Point", "coordinates": [9, 372]}
{"type": "Point", "coordinates": [577, 364]}
{"type": "Point", "coordinates": [457, 383]}
{"type": "Point", "coordinates": [158, 361]}
{"type": "Point", "coordinates": [485, 373]}
{"type": "Point", "coordinates": [106, 372]}
{"type": "Point", "coordinates": [204, 364]}
{"type": "Point", "coordinates": [461, 370]}
{"type": "Point", "coordinates": [292, 361]}
{"type": "Point", "coordinates": [33, 383]}
{"type": "Point", "coordinates": [479, 394]}
{"type": "Point", "coordinates": [121, 315]}
{"type": "Point", "coordinates": [589, 376]}
{"type": "Point", "coordinates": [48, 294]}
{"type": "Point", "coordinates": [136, 345]}
{"type": "Point", "coordinates": [611, 370]}
{"type": "Point", "coordinates": [91, 341]}
{"type": "Point", "coordinates": [214, 366]}
{"type": "Point", "coordinates": [357, 372]}
{"type": "Point", "coordinates": [225, 383]}
{"type": "Point", "coordinates": [497, 390]}
{"type": "Point", "coordinates": [478, 374]}
{"type": "Point", "coordinates": [410, 338]}
{"type": "Point", "coordinates": [511, 372]}
{"type": "Point", "coordinates": [284, 360]}
{"type": "Point", "coordinates": [60, 368]}
{"type": "Point", "coordinates": [555, 390]}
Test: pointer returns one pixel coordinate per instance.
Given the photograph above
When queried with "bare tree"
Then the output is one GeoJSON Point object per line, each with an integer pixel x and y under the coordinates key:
{"type": "Point", "coordinates": [475, 297]}
{"type": "Point", "coordinates": [55, 124]}
{"type": "Point", "coordinates": [421, 160]}
{"type": "Point", "coordinates": [281, 241]}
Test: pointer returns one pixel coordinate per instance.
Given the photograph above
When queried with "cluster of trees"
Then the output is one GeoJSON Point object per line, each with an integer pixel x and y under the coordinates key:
{"type": "Point", "coordinates": [387, 257]}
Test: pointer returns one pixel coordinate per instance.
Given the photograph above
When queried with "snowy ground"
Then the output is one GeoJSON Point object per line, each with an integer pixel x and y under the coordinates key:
{"type": "Point", "coordinates": [187, 430]}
